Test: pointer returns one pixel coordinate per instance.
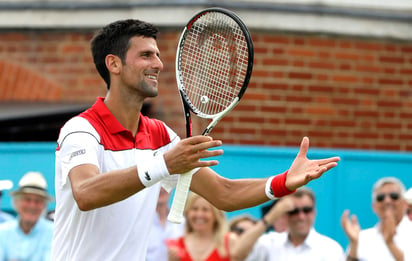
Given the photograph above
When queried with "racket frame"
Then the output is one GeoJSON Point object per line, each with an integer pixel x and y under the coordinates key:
{"type": "Point", "coordinates": [184, 180]}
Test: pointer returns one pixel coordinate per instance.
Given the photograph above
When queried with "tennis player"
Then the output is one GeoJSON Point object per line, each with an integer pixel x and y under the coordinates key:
{"type": "Point", "coordinates": [111, 161]}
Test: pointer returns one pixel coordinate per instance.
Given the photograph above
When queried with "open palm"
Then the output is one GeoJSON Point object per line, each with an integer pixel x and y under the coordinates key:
{"type": "Point", "coordinates": [304, 170]}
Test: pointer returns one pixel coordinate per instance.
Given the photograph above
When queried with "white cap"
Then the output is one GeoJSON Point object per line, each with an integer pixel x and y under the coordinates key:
{"type": "Point", "coordinates": [408, 196]}
{"type": "Point", "coordinates": [33, 182]}
{"type": "Point", "coordinates": [6, 184]}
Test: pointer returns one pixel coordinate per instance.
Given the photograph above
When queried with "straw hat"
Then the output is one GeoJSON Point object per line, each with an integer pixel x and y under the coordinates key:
{"type": "Point", "coordinates": [33, 182]}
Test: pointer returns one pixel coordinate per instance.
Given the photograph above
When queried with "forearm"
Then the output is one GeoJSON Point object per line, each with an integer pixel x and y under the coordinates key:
{"type": "Point", "coordinates": [226, 194]}
{"type": "Point", "coordinates": [353, 251]}
{"type": "Point", "coordinates": [396, 252]}
{"type": "Point", "coordinates": [245, 243]}
{"type": "Point", "coordinates": [93, 190]}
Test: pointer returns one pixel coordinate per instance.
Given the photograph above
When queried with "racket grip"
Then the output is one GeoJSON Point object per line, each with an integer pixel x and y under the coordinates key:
{"type": "Point", "coordinates": [180, 197]}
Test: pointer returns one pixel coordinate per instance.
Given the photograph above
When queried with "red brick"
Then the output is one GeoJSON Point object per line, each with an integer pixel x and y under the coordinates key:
{"type": "Point", "coordinates": [301, 52]}
{"type": "Point", "coordinates": [392, 59]}
{"type": "Point", "coordinates": [300, 75]}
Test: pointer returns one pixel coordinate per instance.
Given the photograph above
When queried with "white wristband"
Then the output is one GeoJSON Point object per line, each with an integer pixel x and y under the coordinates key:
{"type": "Point", "coordinates": [268, 189]}
{"type": "Point", "coordinates": [152, 170]}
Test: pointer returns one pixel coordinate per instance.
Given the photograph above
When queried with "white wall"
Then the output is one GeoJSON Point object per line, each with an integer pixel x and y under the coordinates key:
{"type": "Point", "coordinates": [370, 18]}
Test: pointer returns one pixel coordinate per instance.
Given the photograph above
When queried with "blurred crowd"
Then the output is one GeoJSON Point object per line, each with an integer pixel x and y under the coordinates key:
{"type": "Point", "coordinates": [285, 231]}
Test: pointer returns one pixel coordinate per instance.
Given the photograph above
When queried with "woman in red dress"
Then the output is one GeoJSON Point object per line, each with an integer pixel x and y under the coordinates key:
{"type": "Point", "coordinates": [206, 234]}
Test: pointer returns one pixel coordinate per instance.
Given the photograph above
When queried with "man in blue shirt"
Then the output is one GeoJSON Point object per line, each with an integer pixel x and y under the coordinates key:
{"type": "Point", "coordinates": [29, 236]}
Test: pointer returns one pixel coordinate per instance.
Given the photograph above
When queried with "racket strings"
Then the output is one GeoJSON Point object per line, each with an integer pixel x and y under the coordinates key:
{"type": "Point", "coordinates": [214, 61]}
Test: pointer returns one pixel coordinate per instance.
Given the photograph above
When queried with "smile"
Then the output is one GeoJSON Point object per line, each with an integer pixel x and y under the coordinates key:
{"type": "Point", "coordinates": [152, 76]}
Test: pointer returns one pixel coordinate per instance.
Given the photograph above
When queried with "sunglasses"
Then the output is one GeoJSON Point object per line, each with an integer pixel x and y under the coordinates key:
{"type": "Point", "coordinates": [381, 197]}
{"type": "Point", "coordinates": [296, 211]}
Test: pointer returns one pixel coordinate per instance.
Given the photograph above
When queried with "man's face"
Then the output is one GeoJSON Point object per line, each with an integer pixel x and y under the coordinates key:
{"type": "Point", "coordinates": [142, 66]}
{"type": "Point", "coordinates": [388, 199]}
{"type": "Point", "coordinates": [30, 207]}
{"type": "Point", "coordinates": [301, 220]}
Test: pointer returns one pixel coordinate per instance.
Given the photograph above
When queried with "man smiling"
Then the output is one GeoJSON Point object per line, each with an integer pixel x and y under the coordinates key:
{"type": "Point", "coordinates": [391, 238]}
{"type": "Point", "coordinates": [29, 236]}
{"type": "Point", "coordinates": [300, 242]}
{"type": "Point", "coordinates": [111, 161]}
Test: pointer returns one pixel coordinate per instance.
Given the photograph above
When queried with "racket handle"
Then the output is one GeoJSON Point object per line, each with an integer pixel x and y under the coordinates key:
{"type": "Point", "coordinates": [180, 197]}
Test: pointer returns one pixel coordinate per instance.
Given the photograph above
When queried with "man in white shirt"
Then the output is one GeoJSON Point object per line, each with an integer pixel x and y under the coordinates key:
{"type": "Point", "coordinates": [301, 241]}
{"type": "Point", "coordinates": [391, 238]}
{"type": "Point", "coordinates": [111, 161]}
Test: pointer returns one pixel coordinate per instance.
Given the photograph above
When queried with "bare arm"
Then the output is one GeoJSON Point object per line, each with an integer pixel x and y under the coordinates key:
{"type": "Point", "coordinates": [237, 194]}
{"type": "Point", "coordinates": [92, 189]}
{"type": "Point", "coordinates": [226, 194]}
{"type": "Point", "coordinates": [388, 229]}
{"type": "Point", "coordinates": [244, 244]}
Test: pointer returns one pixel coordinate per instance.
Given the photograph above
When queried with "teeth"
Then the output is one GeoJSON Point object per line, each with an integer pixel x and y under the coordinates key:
{"type": "Point", "coordinates": [152, 77]}
{"type": "Point", "coordinates": [200, 221]}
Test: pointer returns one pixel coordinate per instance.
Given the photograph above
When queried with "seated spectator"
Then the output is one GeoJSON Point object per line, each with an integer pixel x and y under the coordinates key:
{"type": "Point", "coordinates": [241, 223]}
{"type": "Point", "coordinates": [29, 236]}
{"type": "Point", "coordinates": [300, 242]}
{"type": "Point", "coordinates": [246, 242]}
{"type": "Point", "coordinates": [280, 224]}
{"type": "Point", "coordinates": [162, 230]}
{"type": "Point", "coordinates": [390, 239]}
{"type": "Point", "coordinates": [206, 235]}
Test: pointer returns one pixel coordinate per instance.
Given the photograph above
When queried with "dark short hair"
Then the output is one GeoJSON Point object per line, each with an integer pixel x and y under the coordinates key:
{"type": "Point", "coordinates": [300, 192]}
{"type": "Point", "coordinates": [114, 39]}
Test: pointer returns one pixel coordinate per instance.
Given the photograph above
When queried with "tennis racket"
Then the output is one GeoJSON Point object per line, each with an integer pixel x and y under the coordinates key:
{"type": "Point", "coordinates": [214, 63]}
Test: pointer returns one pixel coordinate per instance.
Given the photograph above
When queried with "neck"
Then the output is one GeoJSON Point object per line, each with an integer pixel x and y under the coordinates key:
{"type": "Point", "coordinates": [296, 240]}
{"type": "Point", "coordinates": [126, 111]}
{"type": "Point", "coordinates": [26, 226]}
{"type": "Point", "coordinates": [203, 235]}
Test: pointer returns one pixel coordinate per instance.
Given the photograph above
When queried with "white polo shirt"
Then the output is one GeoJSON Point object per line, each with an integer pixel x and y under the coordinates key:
{"type": "Point", "coordinates": [372, 246]}
{"type": "Point", "coordinates": [118, 231]}
{"type": "Point", "coordinates": [275, 246]}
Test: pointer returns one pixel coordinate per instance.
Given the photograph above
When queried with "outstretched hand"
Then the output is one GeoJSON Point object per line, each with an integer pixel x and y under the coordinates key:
{"type": "Point", "coordinates": [187, 154]}
{"type": "Point", "coordinates": [304, 170]}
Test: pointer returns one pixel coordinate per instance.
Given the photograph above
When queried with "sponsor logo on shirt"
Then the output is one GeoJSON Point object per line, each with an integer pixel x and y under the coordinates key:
{"type": "Point", "coordinates": [77, 153]}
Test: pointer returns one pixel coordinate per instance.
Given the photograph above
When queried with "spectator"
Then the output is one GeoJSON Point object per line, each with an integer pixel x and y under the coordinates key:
{"type": "Point", "coordinates": [300, 242]}
{"type": "Point", "coordinates": [162, 230]}
{"type": "Point", "coordinates": [29, 236]}
{"type": "Point", "coordinates": [5, 185]}
{"type": "Point", "coordinates": [206, 235]}
{"type": "Point", "coordinates": [280, 224]}
{"type": "Point", "coordinates": [408, 197]}
{"type": "Point", "coordinates": [390, 239]}
{"type": "Point", "coordinates": [246, 247]}
{"type": "Point", "coordinates": [240, 224]}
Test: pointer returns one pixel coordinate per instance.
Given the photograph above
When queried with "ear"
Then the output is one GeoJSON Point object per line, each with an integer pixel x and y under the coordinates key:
{"type": "Point", "coordinates": [113, 63]}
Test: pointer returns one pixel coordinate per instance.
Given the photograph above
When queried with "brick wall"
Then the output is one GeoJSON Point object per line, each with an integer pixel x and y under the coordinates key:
{"type": "Point", "coordinates": [341, 91]}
